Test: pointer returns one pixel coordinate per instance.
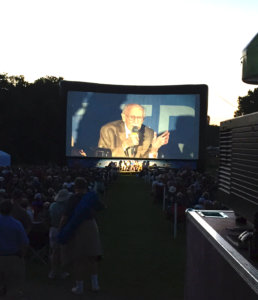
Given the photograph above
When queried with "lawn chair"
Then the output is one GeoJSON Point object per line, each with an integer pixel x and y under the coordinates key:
{"type": "Point", "coordinates": [39, 243]}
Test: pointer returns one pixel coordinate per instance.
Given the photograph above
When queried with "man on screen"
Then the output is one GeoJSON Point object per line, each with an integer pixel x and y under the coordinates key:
{"type": "Point", "coordinates": [129, 137]}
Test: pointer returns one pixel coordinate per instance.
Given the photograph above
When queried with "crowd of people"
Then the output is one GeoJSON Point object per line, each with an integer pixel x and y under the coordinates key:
{"type": "Point", "coordinates": [65, 202]}
{"type": "Point", "coordinates": [130, 166]}
{"type": "Point", "coordinates": [186, 187]}
{"type": "Point", "coordinates": [52, 199]}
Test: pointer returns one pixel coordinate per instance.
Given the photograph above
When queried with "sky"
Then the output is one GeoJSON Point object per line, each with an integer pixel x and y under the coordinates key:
{"type": "Point", "coordinates": [135, 42]}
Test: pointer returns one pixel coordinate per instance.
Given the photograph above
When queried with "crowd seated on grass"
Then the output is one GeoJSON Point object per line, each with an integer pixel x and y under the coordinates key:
{"type": "Point", "coordinates": [186, 187]}
{"type": "Point", "coordinates": [34, 189]}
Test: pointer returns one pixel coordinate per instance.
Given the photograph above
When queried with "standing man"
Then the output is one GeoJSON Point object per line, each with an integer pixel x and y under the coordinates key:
{"type": "Point", "coordinates": [13, 244]}
{"type": "Point", "coordinates": [129, 137]}
{"type": "Point", "coordinates": [80, 235]}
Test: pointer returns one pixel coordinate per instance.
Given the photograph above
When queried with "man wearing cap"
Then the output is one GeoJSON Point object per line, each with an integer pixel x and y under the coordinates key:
{"type": "Point", "coordinates": [129, 137]}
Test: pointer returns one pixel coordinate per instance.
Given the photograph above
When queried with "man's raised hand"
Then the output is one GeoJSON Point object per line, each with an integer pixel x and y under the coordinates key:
{"type": "Point", "coordinates": [160, 140]}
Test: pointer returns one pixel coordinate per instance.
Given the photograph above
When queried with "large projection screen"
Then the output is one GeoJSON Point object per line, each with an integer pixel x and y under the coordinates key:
{"type": "Point", "coordinates": [179, 110]}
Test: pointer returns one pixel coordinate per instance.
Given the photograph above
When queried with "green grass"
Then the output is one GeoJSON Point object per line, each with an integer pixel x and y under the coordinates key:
{"type": "Point", "coordinates": [141, 255]}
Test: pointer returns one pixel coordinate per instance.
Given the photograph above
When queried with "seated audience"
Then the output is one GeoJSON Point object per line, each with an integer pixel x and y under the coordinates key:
{"type": "Point", "coordinates": [19, 213]}
{"type": "Point", "coordinates": [25, 205]}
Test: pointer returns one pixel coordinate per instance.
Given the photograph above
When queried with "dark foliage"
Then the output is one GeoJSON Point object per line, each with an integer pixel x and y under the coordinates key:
{"type": "Point", "coordinates": [31, 119]}
{"type": "Point", "coordinates": [247, 104]}
{"type": "Point", "coordinates": [212, 135]}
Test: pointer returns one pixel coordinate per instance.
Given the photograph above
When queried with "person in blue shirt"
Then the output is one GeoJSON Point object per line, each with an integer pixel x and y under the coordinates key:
{"type": "Point", "coordinates": [13, 244]}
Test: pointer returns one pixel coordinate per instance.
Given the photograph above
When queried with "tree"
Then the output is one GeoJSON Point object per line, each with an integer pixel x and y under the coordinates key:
{"type": "Point", "coordinates": [46, 119]}
{"type": "Point", "coordinates": [247, 104]}
{"type": "Point", "coordinates": [31, 119]}
{"type": "Point", "coordinates": [12, 91]}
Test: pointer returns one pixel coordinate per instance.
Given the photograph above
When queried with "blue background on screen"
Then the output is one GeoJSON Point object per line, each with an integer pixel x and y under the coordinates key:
{"type": "Point", "coordinates": [87, 112]}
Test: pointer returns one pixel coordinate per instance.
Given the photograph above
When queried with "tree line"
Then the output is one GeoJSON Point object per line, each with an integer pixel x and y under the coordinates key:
{"type": "Point", "coordinates": [32, 119]}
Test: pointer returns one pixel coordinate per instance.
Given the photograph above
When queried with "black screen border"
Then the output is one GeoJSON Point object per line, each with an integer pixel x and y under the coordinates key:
{"type": "Point", "coordinates": [200, 89]}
